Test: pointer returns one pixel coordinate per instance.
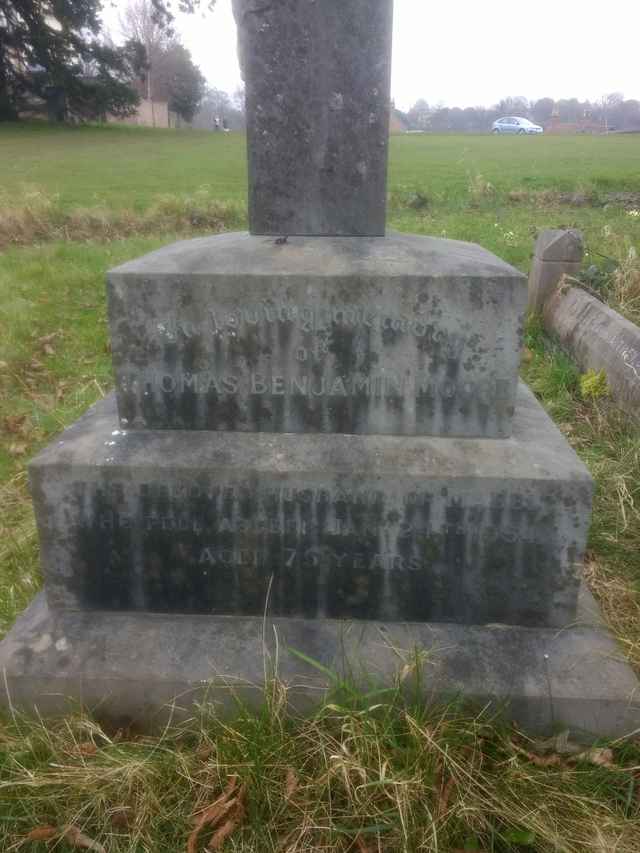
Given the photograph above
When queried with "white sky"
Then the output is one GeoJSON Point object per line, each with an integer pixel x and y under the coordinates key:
{"type": "Point", "coordinates": [470, 52]}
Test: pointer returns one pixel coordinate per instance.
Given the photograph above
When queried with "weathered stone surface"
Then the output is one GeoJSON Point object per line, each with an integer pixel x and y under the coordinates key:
{"type": "Point", "coordinates": [558, 244]}
{"type": "Point", "coordinates": [598, 338]}
{"type": "Point", "coordinates": [317, 81]}
{"type": "Point", "coordinates": [544, 277]}
{"type": "Point", "coordinates": [403, 335]}
{"type": "Point", "coordinates": [374, 527]}
{"type": "Point", "coordinates": [557, 253]}
{"type": "Point", "coordinates": [149, 668]}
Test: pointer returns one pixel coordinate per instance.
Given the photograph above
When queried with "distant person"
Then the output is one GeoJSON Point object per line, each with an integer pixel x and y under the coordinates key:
{"type": "Point", "coordinates": [225, 126]}
{"type": "Point", "coordinates": [216, 123]}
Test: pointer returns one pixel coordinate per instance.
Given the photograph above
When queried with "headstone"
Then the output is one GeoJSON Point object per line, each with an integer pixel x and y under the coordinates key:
{"type": "Point", "coordinates": [317, 78]}
{"type": "Point", "coordinates": [309, 428]}
{"type": "Point", "coordinates": [558, 252]}
{"type": "Point", "coordinates": [403, 336]}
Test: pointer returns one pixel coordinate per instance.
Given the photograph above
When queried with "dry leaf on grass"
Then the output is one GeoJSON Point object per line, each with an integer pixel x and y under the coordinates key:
{"type": "Point", "coordinates": [236, 817]}
{"type": "Point", "coordinates": [566, 750]}
{"type": "Point", "coordinates": [220, 835]}
{"type": "Point", "coordinates": [121, 818]}
{"type": "Point", "coordinates": [42, 833]}
{"type": "Point", "coordinates": [213, 813]}
{"type": "Point", "coordinates": [210, 813]}
{"type": "Point", "coordinates": [204, 752]}
{"type": "Point", "coordinates": [527, 355]}
{"type": "Point", "coordinates": [45, 343]}
{"type": "Point", "coordinates": [361, 845]}
{"type": "Point", "coordinates": [543, 760]}
{"type": "Point", "coordinates": [601, 757]}
{"type": "Point", "coordinates": [76, 838]}
{"type": "Point", "coordinates": [61, 389]}
{"type": "Point", "coordinates": [553, 760]}
{"type": "Point", "coordinates": [46, 339]}
{"type": "Point", "coordinates": [445, 793]}
{"type": "Point", "coordinates": [14, 424]}
{"type": "Point", "coordinates": [291, 785]}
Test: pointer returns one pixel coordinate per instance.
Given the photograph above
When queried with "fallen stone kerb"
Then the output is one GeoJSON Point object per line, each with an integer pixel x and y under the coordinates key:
{"type": "Point", "coordinates": [597, 338]}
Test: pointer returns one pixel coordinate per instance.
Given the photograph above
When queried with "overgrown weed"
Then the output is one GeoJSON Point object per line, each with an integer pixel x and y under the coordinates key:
{"type": "Point", "coordinates": [626, 285]}
{"type": "Point", "coordinates": [18, 550]}
{"type": "Point", "coordinates": [615, 277]}
{"type": "Point", "coordinates": [37, 218]}
{"type": "Point", "coordinates": [609, 443]}
{"type": "Point", "coordinates": [388, 777]}
{"type": "Point", "coordinates": [480, 190]}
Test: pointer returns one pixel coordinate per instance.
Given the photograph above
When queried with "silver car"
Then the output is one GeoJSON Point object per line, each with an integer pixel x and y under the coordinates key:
{"type": "Point", "coordinates": [514, 124]}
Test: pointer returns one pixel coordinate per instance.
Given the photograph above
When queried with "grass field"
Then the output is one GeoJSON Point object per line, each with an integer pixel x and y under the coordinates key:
{"type": "Point", "coordinates": [74, 202]}
{"type": "Point", "coordinates": [129, 167]}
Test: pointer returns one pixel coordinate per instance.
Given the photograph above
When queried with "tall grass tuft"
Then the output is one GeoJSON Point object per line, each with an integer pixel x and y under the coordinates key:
{"type": "Point", "coordinates": [609, 443]}
{"type": "Point", "coordinates": [36, 217]}
{"type": "Point", "coordinates": [384, 777]}
{"type": "Point", "coordinates": [480, 190]}
{"type": "Point", "coordinates": [626, 285]}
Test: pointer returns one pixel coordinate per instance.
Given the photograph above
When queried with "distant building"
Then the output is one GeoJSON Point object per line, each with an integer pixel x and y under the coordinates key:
{"type": "Point", "coordinates": [586, 124]}
{"type": "Point", "coordinates": [582, 126]}
{"type": "Point", "coordinates": [148, 114]}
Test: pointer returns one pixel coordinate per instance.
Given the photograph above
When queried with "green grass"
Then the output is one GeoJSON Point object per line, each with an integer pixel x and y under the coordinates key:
{"type": "Point", "coordinates": [366, 780]}
{"type": "Point", "coordinates": [127, 167]}
{"type": "Point", "coordinates": [126, 174]}
{"type": "Point", "coordinates": [120, 167]}
{"type": "Point", "coordinates": [609, 444]}
{"type": "Point", "coordinates": [54, 362]}
{"type": "Point", "coordinates": [353, 778]}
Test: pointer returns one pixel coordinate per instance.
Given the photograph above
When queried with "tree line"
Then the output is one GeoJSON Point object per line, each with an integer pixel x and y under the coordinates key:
{"type": "Point", "coordinates": [609, 112]}
{"type": "Point", "coordinates": [55, 53]}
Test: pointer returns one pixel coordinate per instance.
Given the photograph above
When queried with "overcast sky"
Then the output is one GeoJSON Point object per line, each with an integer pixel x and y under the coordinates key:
{"type": "Point", "coordinates": [471, 52]}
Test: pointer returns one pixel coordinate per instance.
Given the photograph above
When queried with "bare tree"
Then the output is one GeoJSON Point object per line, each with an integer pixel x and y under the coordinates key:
{"type": "Point", "coordinates": [170, 72]}
{"type": "Point", "coordinates": [139, 22]}
{"type": "Point", "coordinates": [419, 116]}
{"type": "Point", "coordinates": [238, 100]}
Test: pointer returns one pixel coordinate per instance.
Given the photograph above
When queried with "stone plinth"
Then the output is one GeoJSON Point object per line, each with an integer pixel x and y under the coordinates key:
{"type": "Point", "coordinates": [364, 527]}
{"type": "Point", "coordinates": [404, 335]}
{"type": "Point", "coordinates": [317, 81]}
{"type": "Point", "coordinates": [558, 252]}
{"type": "Point", "coordinates": [148, 669]}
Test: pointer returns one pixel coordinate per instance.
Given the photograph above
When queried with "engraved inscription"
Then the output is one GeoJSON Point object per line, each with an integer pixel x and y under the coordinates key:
{"type": "Point", "coordinates": [342, 552]}
{"type": "Point", "coordinates": [305, 318]}
{"type": "Point", "coordinates": [407, 362]}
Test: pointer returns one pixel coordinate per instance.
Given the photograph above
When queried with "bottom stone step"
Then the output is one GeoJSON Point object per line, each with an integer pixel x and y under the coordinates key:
{"type": "Point", "coordinates": [472, 531]}
{"type": "Point", "coordinates": [145, 669]}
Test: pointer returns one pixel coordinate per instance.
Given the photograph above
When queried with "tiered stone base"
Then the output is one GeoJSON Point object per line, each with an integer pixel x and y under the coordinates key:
{"type": "Point", "coordinates": [388, 528]}
{"type": "Point", "coordinates": [148, 668]}
{"type": "Point", "coordinates": [360, 549]}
